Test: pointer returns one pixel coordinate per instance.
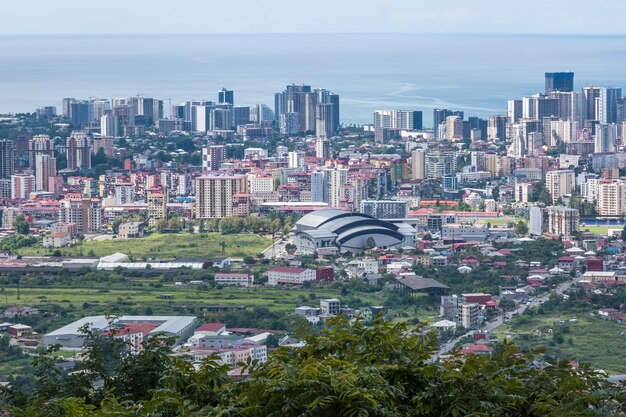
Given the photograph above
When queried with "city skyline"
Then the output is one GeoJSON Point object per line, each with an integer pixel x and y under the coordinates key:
{"type": "Point", "coordinates": [402, 16]}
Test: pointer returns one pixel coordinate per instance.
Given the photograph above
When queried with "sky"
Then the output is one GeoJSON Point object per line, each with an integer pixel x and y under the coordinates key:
{"type": "Point", "coordinates": [36, 17]}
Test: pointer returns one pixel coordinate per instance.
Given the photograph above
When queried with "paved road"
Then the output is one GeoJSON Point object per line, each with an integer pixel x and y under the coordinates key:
{"type": "Point", "coordinates": [491, 326]}
{"type": "Point", "coordinates": [278, 248]}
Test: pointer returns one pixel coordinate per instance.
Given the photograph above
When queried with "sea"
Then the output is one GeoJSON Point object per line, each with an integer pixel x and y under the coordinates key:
{"type": "Point", "coordinates": [473, 73]}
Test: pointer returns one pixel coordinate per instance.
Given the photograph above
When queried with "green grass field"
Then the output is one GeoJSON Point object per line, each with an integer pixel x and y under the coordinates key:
{"type": "Point", "coordinates": [165, 246]}
{"type": "Point", "coordinates": [600, 230]}
{"type": "Point", "coordinates": [589, 339]}
{"type": "Point", "coordinates": [105, 297]}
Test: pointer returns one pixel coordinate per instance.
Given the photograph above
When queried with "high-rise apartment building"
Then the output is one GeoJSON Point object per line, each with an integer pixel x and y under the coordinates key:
{"type": "Point", "coordinates": [213, 157]}
{"type": "Point", "coordinates": [562, 221]}
{"type": "Point", "coordinates": [39, 145]}
{"type": "Point", "coordinates": [86, 213]}
{"type": "Point", "coordinates": [440, 163]}
{"type": "Point", "coordinates": [324, 120]}
{"type": "Point", "coordinates": [337, 178]}
{"type": "Point", "coordinates": [22, 185]}
{"type": "Point", "coordinates": [440, 116]}
{"type": "Point", "coordinates": [454, 128]}
{"type": "Point", "coordinates": [322, 148]}
{"type": "Point", "coordinates": [78, 149]}
{"type": "Point", "coordinates": [215, 195]}
{"type": "Point", "coordinates": [109, 125]}
{"type": "Point", "coordinates": [384, 209]}
{"type": "Point", "coordinates": [559, 81]}
{"type": "Point", "coordinates": [496, 127]}
{"type": "Point", "coordinates": [398, 119]}
{"type": "Point", "coordinates": [157, 208]}
{"type": "Point", "coordinates": [611, 198]}
{"type": "Point", "coordinates": [560, 183]}
{"type": "Point", "coordinates": [418, 164]}
{"type": "Point", "coordinates": [45, 169]}
{"type": "Point", "coordinates": [296, 159]}
{"type": "Point", "coordinates": [301, 100]}
{"type": "Point", "coordinates": [605, 138]}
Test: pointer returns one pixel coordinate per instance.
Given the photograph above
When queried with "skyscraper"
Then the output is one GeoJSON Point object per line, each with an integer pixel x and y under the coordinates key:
{"type": "Point", "coordinates": [225, 96]}
{"type": "Point", "coordinates": [559, 81]}
{"type": "Point", "coordinates": [66, 105]}
{"type": "Point", "coordinates": [7, 159]}
{"type": "Point", "coordinates": [440, 116]}
{"type": "Point", "coordinates": [80, 113]}
{"type": "Point", "coordinates": [324, 120]}
{"type": "Point", "coordinates": [301, 100]}
{"type": "Point", "coordinates": [108, 125]}
{"type": "Point", "coordinates": [608, 105]}
{"type": "Point", "coordinates": [496, 127]}
{"type": "Point", "coordinates": [605, 138]}
{"type": "Point", "coordinates": [590, 95]}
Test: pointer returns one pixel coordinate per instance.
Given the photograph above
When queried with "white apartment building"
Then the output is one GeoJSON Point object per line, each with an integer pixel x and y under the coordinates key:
{"type": "Point", "coordinates": [242, 280]}
{"type": "Point", "coordinates": [293, 276]}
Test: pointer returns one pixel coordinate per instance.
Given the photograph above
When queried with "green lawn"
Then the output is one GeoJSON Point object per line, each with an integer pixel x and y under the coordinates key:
{"type": "Point", "coordinates": [166, 246]}
{"type": "Point", "coordinates": [589, 339]}
{"type": "Point", "coordinates": [600, 230]}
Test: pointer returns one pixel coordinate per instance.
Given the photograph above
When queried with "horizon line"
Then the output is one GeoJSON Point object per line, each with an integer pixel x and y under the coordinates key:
{"type": "Point", "coordinates": [530, 34]}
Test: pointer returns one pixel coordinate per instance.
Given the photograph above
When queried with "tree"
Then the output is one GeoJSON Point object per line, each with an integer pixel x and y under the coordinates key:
{"type": "Point", "coordinates": [20, 225]}
{"type": "Point", "coordinates": [495, 193]}
{"type": "Point", "coordinates": [521, 228]}
{"type": "Point", "coordinates": [370, 243]}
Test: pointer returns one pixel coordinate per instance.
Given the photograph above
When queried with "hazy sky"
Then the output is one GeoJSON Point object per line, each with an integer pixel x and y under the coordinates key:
{"type": "Point", "coordinates": [211, 16]}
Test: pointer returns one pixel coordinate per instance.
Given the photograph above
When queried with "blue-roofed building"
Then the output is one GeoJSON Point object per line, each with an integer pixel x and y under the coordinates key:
{"type": "Point", "coordinates": [332, 230]}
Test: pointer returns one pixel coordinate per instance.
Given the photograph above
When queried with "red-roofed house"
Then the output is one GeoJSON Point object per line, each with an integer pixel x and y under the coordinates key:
{"type": "Point", "coordinates": [211, 329]}
{"type": "Point", "coordinates": [286, 275]}
{"type": "Point", "coordinates": [608, 312]}
{"type": "Point", "coordinates": [567, 263]}
{"type": "Point", "coordinates": [135, 334]}
{"type": "Point", "coordinates": [477, 350]}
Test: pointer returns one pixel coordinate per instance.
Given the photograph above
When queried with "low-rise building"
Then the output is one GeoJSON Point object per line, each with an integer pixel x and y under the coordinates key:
{"type": "Point", "coordinates": [331, 306]}
{"type": "Point", "coordinates": [242, 280]}
{"type": "Point", "coordinates": [130, 230]}
{"type": "Point", "coordinates": [465, 232]}
{"type": "Point", "coordinates": [56, 240]}
{"type": "Point", "coordinates": [286, 275]}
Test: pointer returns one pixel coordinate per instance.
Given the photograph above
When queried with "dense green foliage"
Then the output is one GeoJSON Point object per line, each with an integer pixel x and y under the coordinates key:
{"type": "Point", "coordinates": [347, 370]}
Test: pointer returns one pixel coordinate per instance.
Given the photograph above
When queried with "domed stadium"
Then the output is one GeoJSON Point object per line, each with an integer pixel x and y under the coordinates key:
{"type": "Point", "coordinates": [332, 230]}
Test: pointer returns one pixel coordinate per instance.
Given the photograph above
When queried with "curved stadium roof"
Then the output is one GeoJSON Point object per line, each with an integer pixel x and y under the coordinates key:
{"type": "Point", "coordinates": [344, 223]}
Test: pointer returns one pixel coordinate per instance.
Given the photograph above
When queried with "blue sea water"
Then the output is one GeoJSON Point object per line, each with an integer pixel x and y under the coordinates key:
{"type": "Point", "coordinates": [474, 73]}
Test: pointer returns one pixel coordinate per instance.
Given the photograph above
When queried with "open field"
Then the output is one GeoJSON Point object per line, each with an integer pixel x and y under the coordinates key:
{"type": "Point", "coordinates": [600, 230]}
{"type": "Point", "coordinates": [165, 246]}
{"type": "Point", "coordinates": [588, 339]}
